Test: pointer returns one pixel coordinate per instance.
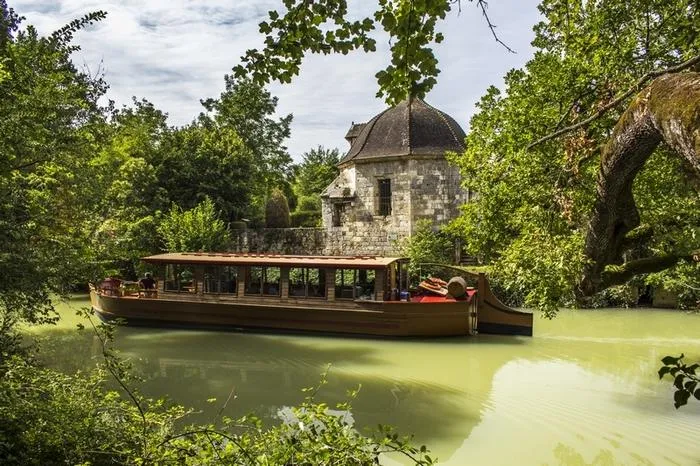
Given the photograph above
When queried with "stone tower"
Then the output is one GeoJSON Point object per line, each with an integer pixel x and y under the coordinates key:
{"type": "Point", "coordinates": [394, 175]}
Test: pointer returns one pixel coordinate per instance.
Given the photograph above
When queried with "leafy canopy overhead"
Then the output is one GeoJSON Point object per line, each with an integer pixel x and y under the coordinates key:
{"type": "Point", "coordinates": [324, 26]}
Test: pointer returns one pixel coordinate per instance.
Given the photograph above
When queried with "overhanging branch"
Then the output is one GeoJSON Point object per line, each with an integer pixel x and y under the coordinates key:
{"type": "Point", "coordinates": [636, 88]}
{"type": "Point", "coordinates": [622, 274]}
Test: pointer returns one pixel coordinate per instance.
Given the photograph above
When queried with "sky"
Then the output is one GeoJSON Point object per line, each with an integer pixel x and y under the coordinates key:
{"type": "Point", "coordinates": [176, 52]}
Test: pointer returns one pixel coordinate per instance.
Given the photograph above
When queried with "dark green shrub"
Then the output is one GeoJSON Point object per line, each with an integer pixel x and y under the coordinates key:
{"type": "Point", "coordinates": [309, 203]}
{"type": "Point", "coordinates": [306, 218]}
{"type": "Point", "coordinates": [277, 210]}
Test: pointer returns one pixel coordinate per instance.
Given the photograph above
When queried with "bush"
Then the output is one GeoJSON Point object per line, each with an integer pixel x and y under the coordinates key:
{"type": "Point", "coordinates": [277, 210]}
{"type": "Point", "coordinates": [306, 218]}
{"type": "Point", "coordinates": [309, 203]}
{"type": "Point", "coordinates": [198, 229]}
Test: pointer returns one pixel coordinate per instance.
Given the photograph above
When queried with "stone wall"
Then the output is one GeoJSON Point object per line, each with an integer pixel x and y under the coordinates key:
{"type": "Point", "coordinates": [422, 188]}
{"type": "Point", "coordinates": [313, 241]}
{"type": "Point", "coordinates": [307, 241]}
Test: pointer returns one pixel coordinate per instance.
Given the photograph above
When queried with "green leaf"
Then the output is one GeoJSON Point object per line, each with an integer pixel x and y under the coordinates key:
{"type": "Point", "coordinates": [670, 360]}
{"type": "Point", "coordinates": [681, 398]}
{"type": "Point", "coordinates": [678, 382]}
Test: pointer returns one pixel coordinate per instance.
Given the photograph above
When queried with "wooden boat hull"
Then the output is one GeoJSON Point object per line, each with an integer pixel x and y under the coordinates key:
{"type": "Point", "coordinates": [373, 318]}
{"type": "Point", "coordinates": [496, 318]}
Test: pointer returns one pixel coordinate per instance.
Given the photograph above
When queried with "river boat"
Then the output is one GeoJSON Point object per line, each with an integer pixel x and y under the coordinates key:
{"type": "Point", "coordinates": [364, 295]}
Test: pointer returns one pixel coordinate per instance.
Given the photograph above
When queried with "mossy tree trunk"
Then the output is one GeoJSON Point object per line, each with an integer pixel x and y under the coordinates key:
{"type": "Point", "coordinates": [668, 111]}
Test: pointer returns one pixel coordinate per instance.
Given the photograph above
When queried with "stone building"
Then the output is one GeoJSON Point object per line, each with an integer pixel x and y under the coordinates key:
{"type": "Point", "coordinates": [394, 175]}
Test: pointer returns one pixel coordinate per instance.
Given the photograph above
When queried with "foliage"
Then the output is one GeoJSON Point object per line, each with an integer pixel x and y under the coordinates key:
{"type": "Point", "coordinates": [685, 379]}
{"type": "Point", "coordinates": [209, 161]}
{"type": "Point", "coordinates": [48, 116]}
{"type": "Point", "coordinates": [309, 203]}
{"type": "Point", "coordinates": [323, 27]}
{"type": "Point", "coordinates": [246, 109]}
{"type": "Point", "coordinates": [317, 27]}
{"type": "Point", "coordinates": [683, 280]}
{"type": "Point", "coordinates": [51, 418]}
{"type": "Point", "coordinates": [425, 245]}
{"type": "Point", "coordinates": [232, 155]}
{"type": "Point", "coordinates": [542, 268]}
{"type": "Point", "coordinates": [277, 210]}
{"type": "Point", "coordinates": [534, 205]}
{"type": "Point", "coordinates": [128, 198]}
{"type": "Point", "coordinates": [197, 229]}
{"type": "Point", "coordinates": [305, 218]}
{"type": "Point", "coordinates": [316, 171]}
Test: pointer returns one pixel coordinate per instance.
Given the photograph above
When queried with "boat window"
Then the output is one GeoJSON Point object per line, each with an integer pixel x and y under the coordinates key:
{"type": "Point", "coordinates": [253, 281]}
{"type": "Point", "coordinates": [262, 281]}
{"type": "Point", "coordinates": [354, 284]}
{"type": "Point", "coordinates": [344, 283]}
{"type": "Point", "coordinates": [221, 279]}
{"type": "Point", "coordinates": [180, 278]}
{"type": "Point", "coordinates": [305, 282]}
{"type": "Point", "coordinates": [364, 286]}
{"type": "Point", "coordinates": [271, 281]}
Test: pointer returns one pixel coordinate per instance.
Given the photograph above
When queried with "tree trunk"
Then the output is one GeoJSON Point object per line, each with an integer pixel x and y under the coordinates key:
{"type": "Point", "coordinates": [668, 110]}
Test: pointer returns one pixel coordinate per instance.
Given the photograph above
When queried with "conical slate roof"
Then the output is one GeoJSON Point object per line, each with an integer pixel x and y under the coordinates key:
{"type": "Point", "coordinates": [410, 128]}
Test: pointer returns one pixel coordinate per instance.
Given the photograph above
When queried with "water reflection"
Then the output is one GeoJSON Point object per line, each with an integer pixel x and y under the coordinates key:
{"type": "Point", "coordinates": [584, 390]}
{"type": "Point", "coordinates": [567, 455]}
{"type": "Point", "coordinates": [267, 372]}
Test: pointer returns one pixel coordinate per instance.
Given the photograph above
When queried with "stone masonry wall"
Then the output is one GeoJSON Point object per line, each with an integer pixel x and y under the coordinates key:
{"type": "Point", "coordinates": [421, 188]}
{"type": "Point", "coordinates": [307, 241]}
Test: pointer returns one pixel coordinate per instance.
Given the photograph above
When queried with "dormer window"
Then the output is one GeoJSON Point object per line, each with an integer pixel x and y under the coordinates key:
{"type": "Point", "coordinates": [384, 197]}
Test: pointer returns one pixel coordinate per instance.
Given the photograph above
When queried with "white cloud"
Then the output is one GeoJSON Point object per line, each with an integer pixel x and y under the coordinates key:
{"type": "Point", "coordinates": [175, 52]}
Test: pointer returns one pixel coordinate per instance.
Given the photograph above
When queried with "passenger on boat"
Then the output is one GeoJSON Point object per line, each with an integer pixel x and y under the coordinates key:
{"type": "Point", "coordinates": [147, 282]}
{"type": "Point", "coordinates": [148, 286]}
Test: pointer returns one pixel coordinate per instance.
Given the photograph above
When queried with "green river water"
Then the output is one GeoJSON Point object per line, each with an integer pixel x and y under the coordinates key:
{"type": "Point", "coordinates": [582, 391]}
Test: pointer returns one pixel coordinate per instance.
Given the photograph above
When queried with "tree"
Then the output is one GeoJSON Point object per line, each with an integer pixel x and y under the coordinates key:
{"type": "Point", "coordinates": [532, 216]}
{"type": "Point", "coordinates": [316, 171]}
{"type": "Point", "coordinates": [49, 118]}
{"type": "Point", "coordinates": [426, 246]}
{"type": "Point", "coordinates": [246, 109]}
{"type": "Point", "coordinates": [197, 229]}
{"type": "Point", "coordinates": [318, 168]}
{"type": "Point", "coordinates": [202, 161]}
{"type": "Point", "coordinates": [127, 195]}
{"type": "Point", "coordinates": [666, 111]}
{"type": "Point", "coordinates": [323, 27]}
{"type": "Point", "coordinates": [277, 210]}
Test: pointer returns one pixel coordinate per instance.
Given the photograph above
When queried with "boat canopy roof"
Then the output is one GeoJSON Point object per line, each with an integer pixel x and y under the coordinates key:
{"type": "Point", "coordinates": [272, 260]}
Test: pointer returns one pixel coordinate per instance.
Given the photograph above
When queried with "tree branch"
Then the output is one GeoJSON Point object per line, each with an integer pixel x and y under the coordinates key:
{"type": "Point", "coordinates": [621, 274]}
{"type": "Point", "coordinates": [483, 5]}
{"type": "Point", "coordinates": [666, 111]}
{"type": "Point", "coordinates": [636, 88]}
